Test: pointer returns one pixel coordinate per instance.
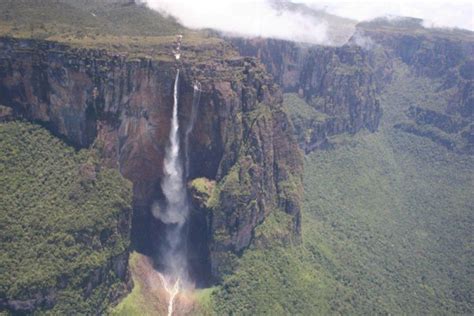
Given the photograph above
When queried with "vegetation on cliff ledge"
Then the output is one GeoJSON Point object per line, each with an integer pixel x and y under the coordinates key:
{"type": "Point", "coordinates": [386, 229]}
{"type": "Point", "coordinates": [64, 219]}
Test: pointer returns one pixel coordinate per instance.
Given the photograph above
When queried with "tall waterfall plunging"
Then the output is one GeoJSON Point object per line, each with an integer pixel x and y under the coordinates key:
{"type": "Point", "coordinates": [173, 182]}
{"type": "Point", "coordinates": [172, 185]}
{"type": "Point", "coordinates": [174, 215]}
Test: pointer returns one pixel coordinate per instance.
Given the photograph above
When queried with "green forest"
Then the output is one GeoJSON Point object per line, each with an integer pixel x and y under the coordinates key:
{"type": "Point", "coordinates": [62, 217]}
{"type": "Point", "coordinates": [386, 224]}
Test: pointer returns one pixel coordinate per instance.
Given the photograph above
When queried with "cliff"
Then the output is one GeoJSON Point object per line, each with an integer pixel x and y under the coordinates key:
{"type": "Point", "coordinates": [382, 211]}
{"type": "Point", "coordinates": [122, 106]}
{"type": "Point", "coordinates": [440, 62]}
{"type": "Point", "coordinates": [338, 82]}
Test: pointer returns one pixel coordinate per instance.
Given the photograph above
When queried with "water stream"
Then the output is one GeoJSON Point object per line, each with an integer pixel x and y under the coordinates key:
{"type": "Point", "coordinates": [175, 214]}
{"type": "Point", "coordinates": [171, 291]}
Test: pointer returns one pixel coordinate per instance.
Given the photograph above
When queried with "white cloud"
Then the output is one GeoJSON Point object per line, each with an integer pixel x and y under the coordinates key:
{"type": "Point", "coordinates": [439, 13]}
{"type": "Point", "coordinates": [260, 18]}
{"type": "Point", "coordinates": [248, 18]}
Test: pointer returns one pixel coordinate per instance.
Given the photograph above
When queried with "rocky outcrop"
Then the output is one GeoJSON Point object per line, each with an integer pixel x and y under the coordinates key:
{"type": "Point", "coordinates": [445, 55]}
{"type": "Point", "coordinates": [336, 81]}
{"type": "Point", "coordinates": [241, 138]}
{"type": "Point", "coordinates": [445, 58]}
{"type": "Point", "coordinates": [448, 124]}
{"type": "Point", "coordinates": [6, 113]}
{"type": "Point", "coordinates": [257, 167]}
{"type": "Point", "coordinates": [450, 131]}
{"type": "Point", "coordinates": [431, 52]}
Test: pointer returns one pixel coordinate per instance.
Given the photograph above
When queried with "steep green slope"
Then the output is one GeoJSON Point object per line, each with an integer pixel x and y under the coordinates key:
{"type": "Point", "coordinates": [387, 228]}
{"type": "Point", "coordinates": [65, 224]}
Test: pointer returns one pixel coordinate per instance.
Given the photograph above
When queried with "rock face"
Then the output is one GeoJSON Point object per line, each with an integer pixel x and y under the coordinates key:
{"type": "Point", "coordinates": [441, 54]}
{"type": "Point", "coordinates": [260, 169]}
{"type": "Point", "coordinates": [336, 81]}
{"type": "Point", "coordinates": [446, 58]}
{"type": "Point", "coordinates": [241, 139]}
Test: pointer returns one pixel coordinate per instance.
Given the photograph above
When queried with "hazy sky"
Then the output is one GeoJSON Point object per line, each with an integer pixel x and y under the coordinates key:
{"type": "Point", "coordinates": [259, 18]}
{"type": "Point", "coordinates": [442, 13]}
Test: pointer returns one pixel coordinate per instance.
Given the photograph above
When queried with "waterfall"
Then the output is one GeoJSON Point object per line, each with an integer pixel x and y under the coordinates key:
{"type": "Point", "coordinates": [173, 183]}
{"type": "Point", "coordinates": [176, 211]}
{"type": "Point", "coordinates": [189, 128]}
